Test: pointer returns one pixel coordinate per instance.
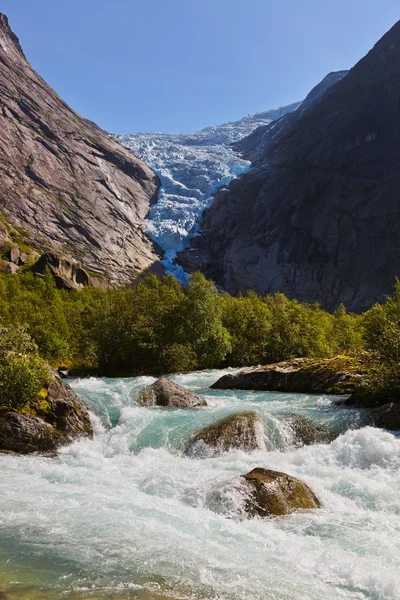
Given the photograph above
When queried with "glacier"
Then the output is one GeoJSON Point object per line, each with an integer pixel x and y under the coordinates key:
{"type": "Point", "coordinates": [191, 167]}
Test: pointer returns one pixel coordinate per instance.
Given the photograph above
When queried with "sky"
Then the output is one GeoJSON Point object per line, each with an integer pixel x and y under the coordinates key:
{"type": "Point", "coordinates": [179, 65]}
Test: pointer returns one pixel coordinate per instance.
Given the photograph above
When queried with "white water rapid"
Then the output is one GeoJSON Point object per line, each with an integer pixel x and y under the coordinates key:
{"type": "Point", "coordinates": [127, 515]}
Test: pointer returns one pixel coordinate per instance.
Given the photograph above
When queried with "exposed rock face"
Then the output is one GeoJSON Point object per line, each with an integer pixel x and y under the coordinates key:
{"type": "Point", "coordinates": [318, 217]}
{"type": "Point", "coordinates": [69, 184]}
{"type": "Point", "coordinates": [66, 272]}
{"type": "Point", "coordinates": [243, 431]}
{"type": "Point", "coordinates": [337, 375]}
{"type": "Point", "coordinates": [274, 493]}
{"type": "Point", "coordinates": [307, 432]}
{"type": "Point", "coordinates": [61, 418]}
{"type": "Point", "coordinates": [165, 392]}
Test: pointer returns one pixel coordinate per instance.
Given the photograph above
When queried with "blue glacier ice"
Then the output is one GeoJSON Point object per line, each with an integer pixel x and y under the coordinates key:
{"type": "Point", "coordinates": [192, 167]}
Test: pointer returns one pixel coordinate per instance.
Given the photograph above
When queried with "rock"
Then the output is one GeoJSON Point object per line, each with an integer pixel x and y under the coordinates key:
{"type": "Point", "coordinates": [66, 410]}
{"type": "Point", "coordinates": [274, 493]}
{"type": "Point", "coordinates": [69, 184]}
{"type": "Point", "coordinates": [3, 235]}
{"type": "Point", "coordinates": [23, 258]}
{"type": "Point", "coordinates": [307, 432]}
{"type": "Point", "coordinates": [26, 433]}
{"type": "Point", "coordinates": [314, 218]}
{"type": "Point", "coordinates": [337, 375]}
{"type": "Point", "coordinates": [242, 431]}
{"type": "Point", "coordinates": [9, 267]}
{"type": "Point", "coordinates": [60, 418]}
{"type": "Point", "coordinates": [66, 272]}
{"type": "Point", "coordinates": [165, 392]}
{"type": "Point", "coordinates": [14, 255]}
{"type": "Point", "coordinates": [387, 416]}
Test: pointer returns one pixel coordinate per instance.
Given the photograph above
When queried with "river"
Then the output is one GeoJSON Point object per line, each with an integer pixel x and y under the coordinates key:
{"type": "Point", "coordinates": [128, 515]}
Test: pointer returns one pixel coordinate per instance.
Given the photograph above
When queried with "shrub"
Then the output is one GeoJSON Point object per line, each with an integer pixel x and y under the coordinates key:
{"type": "Point", "coordinates": [22, 372]}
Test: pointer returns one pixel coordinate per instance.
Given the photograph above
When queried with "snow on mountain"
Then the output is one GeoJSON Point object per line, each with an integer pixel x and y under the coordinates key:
{"type": "Point", "coordinates": [192, 167]}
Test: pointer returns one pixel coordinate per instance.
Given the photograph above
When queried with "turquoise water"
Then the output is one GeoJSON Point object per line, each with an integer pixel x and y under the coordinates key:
{"type": "Point", "coordinates": [127, 515]}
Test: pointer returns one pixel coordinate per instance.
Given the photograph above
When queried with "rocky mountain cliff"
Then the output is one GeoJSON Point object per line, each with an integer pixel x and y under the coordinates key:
{"type": "Point", "coordinates": [192, 167]}
{"type": "Point", "coordinates": [67, 185]}
{"type": "Point", "coordinates": [318, 215]}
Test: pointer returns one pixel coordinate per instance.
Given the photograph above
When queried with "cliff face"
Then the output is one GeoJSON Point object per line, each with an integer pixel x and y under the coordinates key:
{"type": "Point", "coordinates": [318, 216]}
{"type": "Point", "coordinates": [70, 185]}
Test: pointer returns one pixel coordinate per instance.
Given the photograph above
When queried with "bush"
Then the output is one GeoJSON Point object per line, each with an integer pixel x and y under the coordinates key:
{"type": "Point", "coordinates": [22, 372]}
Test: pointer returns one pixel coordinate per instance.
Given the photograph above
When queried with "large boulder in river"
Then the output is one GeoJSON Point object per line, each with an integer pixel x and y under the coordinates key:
{"type": "Point", "coordinates": [165, 392]}
{"type": "Point", "coordinates": [243, 431]}
{"type": "Point", "coordinates": [57, 419]}
{"type": "Point", "coordinates": [305, 431]}
{"type": "Point", "coordinates": [274, 493]}
{"type": "Point", "coordinates": [336, 375]}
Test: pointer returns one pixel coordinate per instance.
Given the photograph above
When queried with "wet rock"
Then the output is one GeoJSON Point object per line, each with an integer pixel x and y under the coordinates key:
{"type": "Point", "coordinates": [26, 433]}
{"type": "Point", "coordinates": [66, 410]}
{"type": "Point", "coordinates": [337, 375]}
{"type": "Point", "coordinates": [387, 416]}
{"type": "Point", "coordinates": [165, 392]}
{"type": "Point", "coordinates": [274, 493]}
{"type": "Point", "coordinates": [244, 431]}
{"type": "Point", "coordinates": [58, 419]}
{"type": "Point", "coordinates": [307, 432]}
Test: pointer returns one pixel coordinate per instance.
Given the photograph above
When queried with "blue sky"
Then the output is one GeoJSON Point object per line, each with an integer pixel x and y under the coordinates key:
{"type": "Point", "coordinates": [180, 65]}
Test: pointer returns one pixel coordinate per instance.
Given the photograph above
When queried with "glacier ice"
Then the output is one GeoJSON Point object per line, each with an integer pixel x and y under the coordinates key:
{"type": "Point", "coordinates": [192, 167]}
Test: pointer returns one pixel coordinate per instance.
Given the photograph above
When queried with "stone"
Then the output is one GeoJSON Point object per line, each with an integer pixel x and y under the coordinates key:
{"type": "Point", "coordinates": [60, 418]}
{"type": "Point", "coordinates": [24, 434]}
{"type": "Point", "coordinates": [167, 393]}
{"type": "Point", "coordinates": [69, 184]}
{"type": "Point", "coordinates": [387, 416]}
{"type": "Point", "coordinates": [14, 255]}
{"type": "Point", "coordinates": [335, 375]}
{"type": "Point", "coordinates": [23, 258]}
{"type": "Point", "coordinates": [271, 493]}
{"type": "Point", "coordinates": [241, 431]}
{"type": "Point", "coordinates": [314, 217]}
{"type": "Point", "coordinates": [306, 431]}
{"type": "Point", "coordinates": [9, 267]}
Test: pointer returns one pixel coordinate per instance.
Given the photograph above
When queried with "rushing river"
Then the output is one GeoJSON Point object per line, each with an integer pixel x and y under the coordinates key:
{"type": "Point", "coordinates": [127, 515]}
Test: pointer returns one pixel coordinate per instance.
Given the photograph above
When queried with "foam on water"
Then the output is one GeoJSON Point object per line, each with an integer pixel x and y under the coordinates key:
{"type": "Point", "coordinates": [128, 513]}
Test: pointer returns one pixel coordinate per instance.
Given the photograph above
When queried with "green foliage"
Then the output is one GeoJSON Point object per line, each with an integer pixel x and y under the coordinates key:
{"type": "Point", "coordinates": [22, 372]}
{"type": "Point", "coordinates": [160, 326]}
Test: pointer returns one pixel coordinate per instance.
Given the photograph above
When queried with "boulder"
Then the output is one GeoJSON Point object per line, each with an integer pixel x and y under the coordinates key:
{"type": "Point", "coordinates": [243, 431]}
{"type": "Point", "coordinates": [307, 432]}
{"type": "Point", "coordinates": [9, 267]}
{"type": "Point", "coordinates": [66, 410]}
{"type": "Point", "coordinates": [27, 433]}
{"type": "Point", "coordinates": [274, 493]}
{"type": "Point", "coordinates": [387, 416]}
{"type": "Point", "coordinates": [56, 420]}
{"type": "Point", "coordinates": [336, 375]}
{"type": "Point", "coordinates": [165, 392]}
{"type": "Point", "coordinates": [14, 255]}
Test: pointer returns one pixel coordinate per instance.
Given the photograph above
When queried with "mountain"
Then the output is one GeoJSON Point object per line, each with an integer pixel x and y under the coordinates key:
{"type": "Point", "coordinates": [317, 217]}
{"type": "Point", "coordinates": [192, 167]}
{"type": "Point", "coordinates": [65, 184]}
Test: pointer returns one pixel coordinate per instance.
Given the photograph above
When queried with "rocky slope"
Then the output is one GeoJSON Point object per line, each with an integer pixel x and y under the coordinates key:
{"type": "Point", "coordinates": [68, 184]}
{"type": "Point", "coordinates": [192, 167]}
{"type": "Point", "coordinates": [317, 218]}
